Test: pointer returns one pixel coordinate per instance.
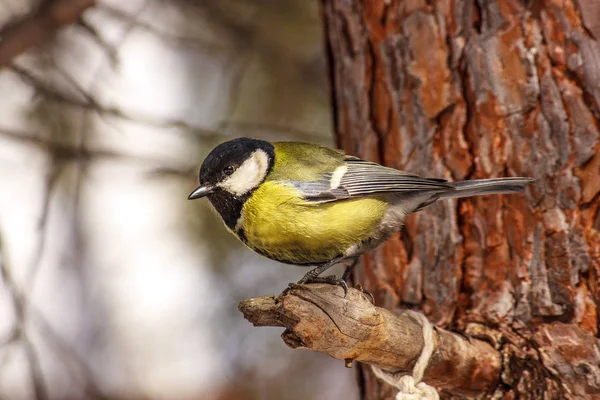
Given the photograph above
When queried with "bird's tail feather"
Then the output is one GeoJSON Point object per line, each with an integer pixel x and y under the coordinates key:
{"type": "Point", "coordinates": [487, 186]}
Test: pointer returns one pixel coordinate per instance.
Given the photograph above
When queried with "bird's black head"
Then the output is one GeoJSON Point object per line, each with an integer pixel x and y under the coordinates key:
{"type": "Point", "coordinates": [242, 158]}
{"type": "Point", "coordinates": [231, 171]}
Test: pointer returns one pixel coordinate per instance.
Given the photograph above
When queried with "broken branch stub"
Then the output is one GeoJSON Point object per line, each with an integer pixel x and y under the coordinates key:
{"type": "Point", "coordinates": [319, 318]}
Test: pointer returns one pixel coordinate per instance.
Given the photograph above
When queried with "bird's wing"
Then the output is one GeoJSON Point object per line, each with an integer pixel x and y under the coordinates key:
{"type": "Point", "coordinates": [359, 178]}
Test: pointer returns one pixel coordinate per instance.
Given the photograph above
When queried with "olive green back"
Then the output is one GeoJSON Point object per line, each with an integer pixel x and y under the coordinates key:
{"type": "Point", "coordinates": [295, 161]}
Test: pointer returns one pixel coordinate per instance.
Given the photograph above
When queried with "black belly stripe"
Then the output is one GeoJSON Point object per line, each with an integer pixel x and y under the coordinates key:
{"type": "Point", "coordinates": [242, 235]}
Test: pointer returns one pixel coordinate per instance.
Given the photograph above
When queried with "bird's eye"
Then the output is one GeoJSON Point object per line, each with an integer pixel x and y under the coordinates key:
{"type": "Point", "coordinates": [228, 170]}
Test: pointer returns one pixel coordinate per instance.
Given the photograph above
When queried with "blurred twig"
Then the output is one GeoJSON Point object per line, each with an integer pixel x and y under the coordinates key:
{"type": "Point", "coordinates": [111, 52]}
{"type": "Point", "coordinates": [50, 182]}
{"type": "Point", "coordinates": [35, 370]}
{"type": "Point", "coordinates": [88, 102]}
{"type": "Point", "coordinates": [195, 42]}
{"type": "Point", "coordinates": [69, 152]}
{"type": "Point", "coordinates": [20, 332]}
{"type": "Point", "coordinates": [68, 356]}
{"type": "Point", "coordinates": [252, 128]}
{"type": "Point", "coordinates": [242, 33]}
{"type": "Point", "coordinates": [38, 27]}
{"type": "Point", "coordinates": [25, 311]}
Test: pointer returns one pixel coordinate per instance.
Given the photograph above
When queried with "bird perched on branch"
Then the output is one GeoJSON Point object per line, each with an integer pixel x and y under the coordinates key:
{"type": "Point", "coordinates": [305, 204]}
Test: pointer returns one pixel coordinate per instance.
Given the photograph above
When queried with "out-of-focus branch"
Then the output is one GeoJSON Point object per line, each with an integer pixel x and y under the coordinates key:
{"type": "Point", "coordinates": [111, 52]}
{"type": "Point", "coordinates": [38, 27]}
{"type": "Point", "coordinates": [250, 128]}
{"type": "Point", "coordinates": [68, 152]}
{"type": "Point", "coordinates": [74, 363]}
{"type": "Point", "coordinates": [320, 318]}
{"type": "Point", "coordinates": [67, 355]}
{"type": "Point", "coordinates": [20, 333]}
{"type": "Point", "coordinates": [85, 101]}
{"type": "Point", "coordinates": [195, 42]}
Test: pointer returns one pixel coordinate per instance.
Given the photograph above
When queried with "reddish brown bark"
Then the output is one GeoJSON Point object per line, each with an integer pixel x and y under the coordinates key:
{"type": "Point", "coordinates": [463, 89]}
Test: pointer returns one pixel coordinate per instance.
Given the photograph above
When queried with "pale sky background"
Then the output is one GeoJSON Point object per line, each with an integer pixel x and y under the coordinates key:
{"type": "Point", "coordinates": [136, 285]}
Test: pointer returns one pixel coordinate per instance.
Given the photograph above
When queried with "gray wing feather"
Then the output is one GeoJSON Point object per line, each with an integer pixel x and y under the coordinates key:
{"type": "Point", "coordinates": [320, 191]}
{"type": "Point", "coordinates": [364, 178]}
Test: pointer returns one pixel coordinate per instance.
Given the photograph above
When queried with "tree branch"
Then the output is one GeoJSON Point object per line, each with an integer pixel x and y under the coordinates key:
{"type": "Point", "coordinates": [20, 334]}
{"type": "Point", "coordinates": [319, 318]}
{"type": "Point", "coordinates": [38, 27]}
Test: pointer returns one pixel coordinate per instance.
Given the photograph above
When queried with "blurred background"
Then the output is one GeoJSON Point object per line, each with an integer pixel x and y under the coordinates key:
{"type": "Point", "coordinates": [113, 285]}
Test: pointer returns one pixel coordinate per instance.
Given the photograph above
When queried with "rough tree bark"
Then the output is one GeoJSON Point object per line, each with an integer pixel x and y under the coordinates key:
{"type": "Point", "coordinates": [465, 89]}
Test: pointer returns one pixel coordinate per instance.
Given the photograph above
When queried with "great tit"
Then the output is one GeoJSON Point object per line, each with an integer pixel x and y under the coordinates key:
{"type": "Point", "coordinates": [305, 204]}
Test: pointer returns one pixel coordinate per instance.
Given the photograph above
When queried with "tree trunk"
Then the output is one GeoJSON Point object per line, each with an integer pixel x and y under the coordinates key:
{"type": "Point", "coordinates": [463, 89]}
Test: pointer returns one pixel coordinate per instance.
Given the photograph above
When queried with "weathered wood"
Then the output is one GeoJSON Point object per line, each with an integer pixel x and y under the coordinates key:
{"type": "Point", "coordinates": [468, 89]}
{"type": "Point", "coordinates": [318, 317]}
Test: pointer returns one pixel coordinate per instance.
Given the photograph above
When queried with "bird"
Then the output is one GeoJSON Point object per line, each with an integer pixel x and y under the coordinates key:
{"type": "Point", "coordinates": [309, 205]}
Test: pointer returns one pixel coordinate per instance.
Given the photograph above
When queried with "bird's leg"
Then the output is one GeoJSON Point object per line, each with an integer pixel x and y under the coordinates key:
{"type": "Point", "coordinates": [315, 272]}
{"type": "Point", "coordinates": [349, 269]}
{"type": "Point", "coordinates": [312, 276]}
{"type": "Point", "coordinates": [346, 276]}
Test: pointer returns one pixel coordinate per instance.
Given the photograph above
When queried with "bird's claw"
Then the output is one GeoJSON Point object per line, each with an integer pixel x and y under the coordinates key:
{"type": "Point", "coordinates": [330, 279]}
{"type": "Point", "coordinates": [366, 292]}
{"type": "Point", "coordinates": [291, 285]}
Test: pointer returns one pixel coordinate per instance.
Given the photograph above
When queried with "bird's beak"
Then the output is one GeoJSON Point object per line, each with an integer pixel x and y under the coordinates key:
{"type": "Point", "coordinates": [201, 191]}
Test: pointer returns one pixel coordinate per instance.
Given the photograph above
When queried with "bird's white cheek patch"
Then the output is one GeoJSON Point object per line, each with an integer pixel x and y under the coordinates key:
{"type": "Point", "coordinates": [248, 175]}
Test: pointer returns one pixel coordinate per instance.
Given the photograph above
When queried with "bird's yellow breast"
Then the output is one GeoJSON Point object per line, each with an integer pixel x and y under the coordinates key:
{"type": "Point", "coordinates": [281, 225]}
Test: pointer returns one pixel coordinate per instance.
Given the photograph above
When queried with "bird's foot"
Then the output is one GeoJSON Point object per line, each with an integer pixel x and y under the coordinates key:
{"type": "Point", "coordinates": [291, 285]}
{"type": "Point", "coordinates": [330, 279]}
